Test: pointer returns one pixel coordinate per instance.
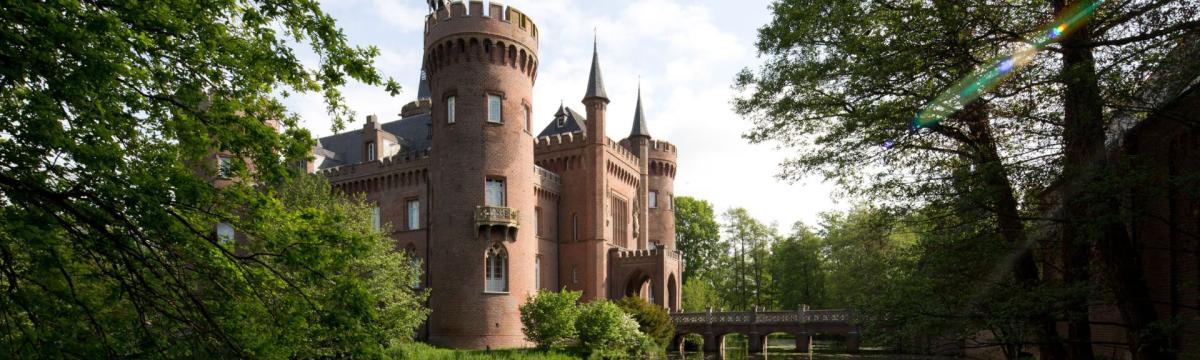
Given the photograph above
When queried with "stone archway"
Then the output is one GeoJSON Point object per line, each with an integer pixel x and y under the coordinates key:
{"type": "Point", "coordinates": [637, 282]}
{"type": "Point", "coordinates": [672, 294]}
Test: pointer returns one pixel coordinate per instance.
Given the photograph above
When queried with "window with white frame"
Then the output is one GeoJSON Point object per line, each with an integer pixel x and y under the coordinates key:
{"type": "Point", "coordinates": [450, 109]}
{"type": "Point", "coordinates": [652, 199]}
{"type": "Point", "coordinates": [495, 192]}
{"type": "Point", "coordinates": [375, 224]}
{"type": "Point", "coordinates": [225, 167]}
{"type": "Point", "coordinates": [496, 274]}
{"type": "Point", "coordinates": [414, 214]}
{"type": "Point", "coordinates": [494, 113]}
{"type": "Point", "coordinates": [225, 232]}
{"type": "Point", "coordinates": [370, 151]}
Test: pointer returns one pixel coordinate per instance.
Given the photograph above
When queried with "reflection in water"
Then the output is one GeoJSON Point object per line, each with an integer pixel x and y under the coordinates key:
{"type": "Point", "coordinates": [783, 347]}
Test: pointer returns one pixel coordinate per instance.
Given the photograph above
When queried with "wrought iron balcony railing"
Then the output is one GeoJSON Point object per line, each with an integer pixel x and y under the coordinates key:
{"type": "Point", "coordinates": [496, 216]}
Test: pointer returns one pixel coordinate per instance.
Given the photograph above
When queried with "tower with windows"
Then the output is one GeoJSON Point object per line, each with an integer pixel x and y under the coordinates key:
{"type": "Point", "coordinates": [481, 65]}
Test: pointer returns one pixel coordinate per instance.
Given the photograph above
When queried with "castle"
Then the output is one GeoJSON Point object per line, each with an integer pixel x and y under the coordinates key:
{"type": "Point", "coordinates": [496, 213]}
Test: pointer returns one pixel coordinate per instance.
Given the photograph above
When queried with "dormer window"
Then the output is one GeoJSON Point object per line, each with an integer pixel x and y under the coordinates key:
{"type": "Point", "coordinates": [370, 151]}
{"type": "Point", "coordinates": [562, 120]}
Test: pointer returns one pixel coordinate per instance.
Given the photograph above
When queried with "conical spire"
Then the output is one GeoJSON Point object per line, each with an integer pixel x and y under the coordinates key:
{"type": "Point", "coordinates": [639, 119]}
{"type": "Point", "coordinates": [595, 86]}
{"type": "Point", "coordinates": [423, 87]}
{"type": "Point", "coordinates": [561, 110]}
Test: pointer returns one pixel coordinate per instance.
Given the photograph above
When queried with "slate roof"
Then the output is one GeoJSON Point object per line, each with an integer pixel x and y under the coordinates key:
{"type": "Point", "coordinates": [595, 86]}
{"type": "Point", "coordinates": [639, 119]}
{"type": "Point", "coordinates": [411, 132]}
{"type": "Point", "coordinates": [565, 121]}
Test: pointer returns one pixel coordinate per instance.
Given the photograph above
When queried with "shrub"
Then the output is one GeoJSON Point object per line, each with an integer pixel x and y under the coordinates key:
{"type": "Point", "coordinates": [600, 325]}
{"type": "Point", "coordinates": [652, 320]}
{"type": "Point", "coordinates": [548, 318]}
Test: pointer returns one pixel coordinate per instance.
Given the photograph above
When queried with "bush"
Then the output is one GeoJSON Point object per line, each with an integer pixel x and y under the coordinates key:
{"type": "Point", "coordinates": [652, 320]}
{"type": "Point", "coordinates": [548, 318]}
{"type": "Point", "coordinates": [600, 324]}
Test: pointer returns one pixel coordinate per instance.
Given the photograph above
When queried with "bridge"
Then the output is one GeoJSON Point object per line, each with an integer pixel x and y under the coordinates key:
{"type": "Point", "coordinates": [756, 325]}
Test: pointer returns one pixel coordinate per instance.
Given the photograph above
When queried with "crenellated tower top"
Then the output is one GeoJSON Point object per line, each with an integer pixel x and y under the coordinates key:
{"type": "Point", "coordinates": [464, 32]}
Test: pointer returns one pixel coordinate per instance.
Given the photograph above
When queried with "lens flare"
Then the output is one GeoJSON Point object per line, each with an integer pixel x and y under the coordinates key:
{"type": "Point", "coordinates": [985, 79]}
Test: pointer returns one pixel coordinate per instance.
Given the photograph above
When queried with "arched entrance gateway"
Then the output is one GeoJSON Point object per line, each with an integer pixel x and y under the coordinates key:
{"type": "Point", "coordinates": [649, 274]}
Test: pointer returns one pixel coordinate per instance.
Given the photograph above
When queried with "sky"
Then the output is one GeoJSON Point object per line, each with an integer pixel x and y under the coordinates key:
{"type": "Point", "coordinates": [685, 54]}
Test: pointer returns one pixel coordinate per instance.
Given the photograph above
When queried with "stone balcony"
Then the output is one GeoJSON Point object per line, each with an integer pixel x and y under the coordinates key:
{"type": "Point", "coordinates": [488, 218]}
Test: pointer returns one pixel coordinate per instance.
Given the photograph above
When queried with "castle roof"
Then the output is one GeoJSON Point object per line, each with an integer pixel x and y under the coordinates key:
{"type": "Point", "coordinates": [412, 132]}
{"type": "Point", "coordinates": [595, 86]}
{"type": "Point", "coordinates": [565, 121]}
{"type": "Point", "coordinates": [639, 119]}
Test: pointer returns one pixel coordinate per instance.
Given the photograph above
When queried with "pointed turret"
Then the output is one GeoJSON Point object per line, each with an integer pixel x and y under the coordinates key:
{"type": "Point", "coordinates": [639, 119]}
{"type": "Point", "coordinates": [595, 86]}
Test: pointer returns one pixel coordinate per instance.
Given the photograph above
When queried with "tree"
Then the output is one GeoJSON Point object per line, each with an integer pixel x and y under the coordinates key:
{"type": "Point", "coordinates": [697, 235]}
{"type": "Point", "coordinates": [652, 320]}
{"type": "Point", "coordinates": [699, 295]}
{"type": "Point", "coordinates": [750, 241]}
{"type": "Point", "coordinates": [548, 318]}
{"type": "Point", "coordinates": [797, 270]}
{"type": "Point", "coordinates": [111, 113]}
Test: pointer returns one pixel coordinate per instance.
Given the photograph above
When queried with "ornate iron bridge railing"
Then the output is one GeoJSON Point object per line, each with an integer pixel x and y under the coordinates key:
{"type": "Point", "coordinates": [764, 317]}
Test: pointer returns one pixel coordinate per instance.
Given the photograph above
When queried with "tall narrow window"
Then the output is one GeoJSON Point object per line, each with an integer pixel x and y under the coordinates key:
{"type": "Point", "coordinates": [494, 109]}
{"type": "Point", "coordinates": [653, 199]}
{"type": "Point", "coordinates": [225, 167]}
{"type": "Point", "coordinates": [450, 110]}
{"type": "Point", "coordinates": [537, 220]}
{"type": "Point", "coordinates": [495, 192]}
{"type": "Point", "coordinates": [620, 221]}
{"type": "Point", "coordinates": [670, 202]}
{"type": "Point", "coordinates": [528, 121]}
{"type": "Point", "coordinates": [574, 275]}
{"type": "Point", "coordinates": [537, 273]}
{"type": "Point", "coordinates": [496, 274]}
{"type": "Point", "coordinates": [574, 227]}
{"type": "Point", "coordinates": [414, 214]}
{"type": "Point", "coordinates": [225, 232]}
{"type": "Point", "coordinates": [375, 218]}
{"type": "Point", "coordinates": [370, 151]}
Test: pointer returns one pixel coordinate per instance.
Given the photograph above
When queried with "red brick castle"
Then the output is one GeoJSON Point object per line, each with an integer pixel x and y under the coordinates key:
{"type": "Point", "coordinates": [496, 213]}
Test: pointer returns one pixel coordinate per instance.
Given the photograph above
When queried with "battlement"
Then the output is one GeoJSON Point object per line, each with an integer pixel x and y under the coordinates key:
{"type": "Point", "coordinates": [630, 254]}
{"type": "Point", "coordinates": [499, 19]}
{"type": "Point", "coordinates": [398, 160]}
{"type": "Point", "coordinates": [559, 141]}
{"type": "Point", "coordinates": [620, 150]}
{"type": "Point", "coordinates": [662, 146]}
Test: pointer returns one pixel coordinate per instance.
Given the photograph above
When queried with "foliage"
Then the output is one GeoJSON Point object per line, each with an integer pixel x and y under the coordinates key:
{"type": "Point", "coordinates": [416, 350]}
{"type": "Point", "coordinates": [652, 320]}
{"type": "Point", "coordinates": [608, 332]}
{"type": "Point", "coordinates": [749, 243]}
{"type": "Point", "coordinates": [111, 113]}
{"type": "Point", "coordinates": [697, 235]}
{"type": "Point", "coordinates": [797, 270]}
{"type": "Point", "coordinates": [699, 295]}
{"type": "Point", "coordinates": [548, 318]}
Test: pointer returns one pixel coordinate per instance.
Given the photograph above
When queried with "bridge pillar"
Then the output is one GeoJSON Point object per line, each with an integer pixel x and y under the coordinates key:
{"type": "Point", "coordinates": [853, 340]}
{"type": "Point", "coordinates": [676, 344]}
{"type": "Point", "coordinates": [754, 343]}
{"type": "Point", "coordinates": [803, 342]}
{"type": "Point", "coordinates": [713, 343]}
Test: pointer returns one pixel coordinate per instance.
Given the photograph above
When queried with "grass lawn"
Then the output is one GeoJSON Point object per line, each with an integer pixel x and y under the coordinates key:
{"type": "Point", "coordinates": [423, 351]}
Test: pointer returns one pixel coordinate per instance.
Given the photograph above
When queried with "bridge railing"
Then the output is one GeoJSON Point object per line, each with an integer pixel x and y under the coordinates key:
{"type": "Point", "coordinates": [764, 317]}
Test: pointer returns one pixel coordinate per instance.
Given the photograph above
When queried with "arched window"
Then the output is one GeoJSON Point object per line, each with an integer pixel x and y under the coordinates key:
{"type": "Point", "coordinates": [496, 272]}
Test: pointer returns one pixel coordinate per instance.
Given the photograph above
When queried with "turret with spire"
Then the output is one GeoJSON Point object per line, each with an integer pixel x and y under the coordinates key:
{"type": "Point", "coordinates": [595, 100]}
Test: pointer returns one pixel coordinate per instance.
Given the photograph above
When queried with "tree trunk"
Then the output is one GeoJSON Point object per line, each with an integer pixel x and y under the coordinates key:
{"type": "Point", "coordinates": [1091, 209]}
{"type": "Point", "coordinates": [1008, 220]}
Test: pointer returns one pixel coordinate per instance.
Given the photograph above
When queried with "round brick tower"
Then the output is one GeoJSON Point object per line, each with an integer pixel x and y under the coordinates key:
{"type": "Point", "coordinates": [661, 174]}
{"type": "Point", "coordinates": [481, 69]}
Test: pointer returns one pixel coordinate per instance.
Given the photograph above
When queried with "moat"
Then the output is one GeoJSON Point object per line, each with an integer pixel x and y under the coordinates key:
{"type": "Point", "coordinates": [782, 347]}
